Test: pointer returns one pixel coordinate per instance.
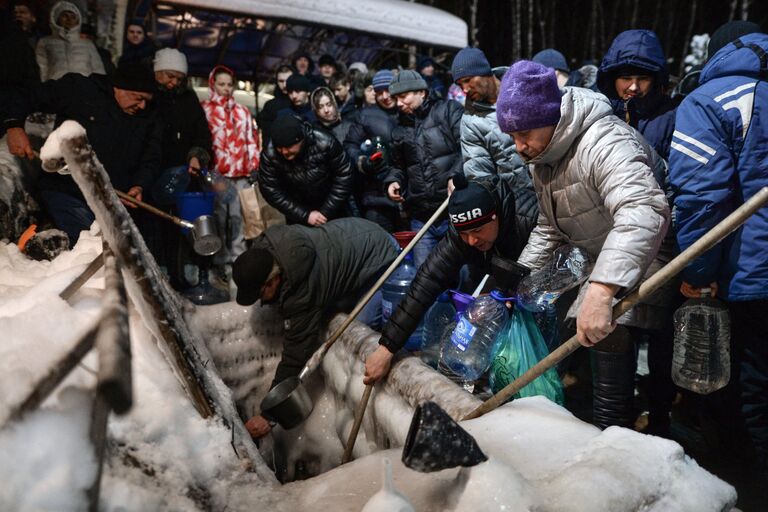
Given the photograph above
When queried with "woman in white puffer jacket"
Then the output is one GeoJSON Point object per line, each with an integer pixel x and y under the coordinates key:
{"type": "Point", "coordinates": [64, 51]}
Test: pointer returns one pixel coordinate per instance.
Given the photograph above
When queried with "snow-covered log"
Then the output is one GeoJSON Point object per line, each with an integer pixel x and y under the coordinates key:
{"type": "Point", "coordinates": [159, 305]}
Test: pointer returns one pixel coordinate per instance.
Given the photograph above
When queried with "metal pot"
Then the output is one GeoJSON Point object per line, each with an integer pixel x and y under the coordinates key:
{"type": "Point", "coordinates": [205, 240]}
{"type": "Point", "coordinates": [288, 403]}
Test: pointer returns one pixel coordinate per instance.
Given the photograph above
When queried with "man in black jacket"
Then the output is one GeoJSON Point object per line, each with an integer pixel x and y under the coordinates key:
{"type": "Point", "coordinates": [305, 173]}
{"type": "Point", "coordinates": [426, 155]}
{"type": "Point", "coordinates": [374, 121]}
{"type": "Point", "coordinates": [279, 102]}
{"type": "Point", "coordinates": [312, 273]}
{"type": "Point", "coordinates": [488, 218]}
{"type": "Point", "coordinates": [124, 135]}
{"type": "Point", "coordinates": [186, 136]}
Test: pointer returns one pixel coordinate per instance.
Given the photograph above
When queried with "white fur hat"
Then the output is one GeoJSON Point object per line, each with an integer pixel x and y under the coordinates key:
{"type": "Point", "coordinates": [170, 59]}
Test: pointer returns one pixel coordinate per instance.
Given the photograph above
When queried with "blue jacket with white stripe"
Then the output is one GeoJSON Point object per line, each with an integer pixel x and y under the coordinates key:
{"type": "Point", "coordinates": [718, 160]}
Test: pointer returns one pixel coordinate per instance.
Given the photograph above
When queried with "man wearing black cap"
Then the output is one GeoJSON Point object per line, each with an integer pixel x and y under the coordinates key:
{"type": "Point", "coordinates": [426, 155]}
{"type": "Point", "coordinates": [298, 88]}
{"type": "Point", "coordinates": [124, 135]}
{"type": "Point", "coordinates": [328, 67]}
{"type": "Point", "coordinates": [488, 218]}
{"type": "Point", "coordinates": [305, 173]}
{"type": "Point", "coordinates": [311, 273]}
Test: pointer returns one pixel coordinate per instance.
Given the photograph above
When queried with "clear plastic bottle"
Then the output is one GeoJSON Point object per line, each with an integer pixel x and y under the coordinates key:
{"type": "Point", "coordinates": [568, 268]}
{"type": "Point", "coordinates": [438, 316]}
{"type": "Point", "coordinates": [468, 353]}
{"type": "Point", "coordinates": [701, 358]}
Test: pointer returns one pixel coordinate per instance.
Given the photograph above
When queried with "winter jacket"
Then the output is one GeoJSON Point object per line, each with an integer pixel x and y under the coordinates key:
{"type": "Point", "coordinates": [18, 68]}
{"type": "Point", "coordinates": [338, 128]}
{"type": "Point", "coordinates": [319, 178]}
{"type": "Point", "coordinates": [597, 191]}
{"type": "Point", "coordinates": [517, 214]}
{"type": "Point", "coordinates": [718, 161]}
{"type": "Point", "coordinates": [129, 146]}
{"type": "Point", "coordinates": [585, 76]}
{"type": "Point", "coordinates": [426, 153]}
{"type": "Point", "coordinates": [235, 141]}
{"type": "Point", "coordinates": [185, 128]}
{"type": "Point", "coordinates": [371, 122]}
{"type": "Point", "coordinates": [485, 148]}
{"type": "Point", "coordinates": [324, 270]}
{"type": "Point", "coordinates": [64, 51]}
{"type": "Point", "coordinates": [654, 114]}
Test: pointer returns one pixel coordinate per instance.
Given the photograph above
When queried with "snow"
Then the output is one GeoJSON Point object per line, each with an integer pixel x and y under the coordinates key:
{"type": "Point", "coordinates": [163, 456]}
{"type": "Point", "coordinates": [51, 150]}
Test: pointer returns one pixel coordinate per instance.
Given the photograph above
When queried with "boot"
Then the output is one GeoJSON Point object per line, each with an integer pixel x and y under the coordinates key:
{"type": "Point", "coordinates": [613, 388]}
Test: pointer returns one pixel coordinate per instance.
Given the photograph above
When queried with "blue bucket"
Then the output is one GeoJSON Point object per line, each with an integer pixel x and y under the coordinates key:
{"type": "Point", "coordinates": [192, 205]}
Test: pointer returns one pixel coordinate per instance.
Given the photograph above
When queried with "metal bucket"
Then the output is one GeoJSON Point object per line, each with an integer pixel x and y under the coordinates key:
{"type": "Point", "coordinates": [205, 240]}
{"type": "Point", "coordinates": [288, 403]}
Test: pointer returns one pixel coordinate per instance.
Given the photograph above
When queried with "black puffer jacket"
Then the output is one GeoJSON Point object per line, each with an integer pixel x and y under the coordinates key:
{"type": "Point", "coordinates": [185, 128]}
{"type": "Point", "coordinates": [440, 271]}
{"type": "Point", "coordinates": [426, 153]}
{"type": "Point", "coordinates": [319, 178]}
{"type": "Point", "coordinates": [371, 122]}
{"type": "Point", "coordinates": [324, 270]}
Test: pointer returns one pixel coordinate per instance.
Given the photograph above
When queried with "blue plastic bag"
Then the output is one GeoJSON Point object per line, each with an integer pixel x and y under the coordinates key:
{"type": "Point", "coordinates": [520, 345]}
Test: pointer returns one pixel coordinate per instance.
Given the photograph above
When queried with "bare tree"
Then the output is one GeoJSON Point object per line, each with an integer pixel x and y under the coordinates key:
{"type": "Point", "coordinates": [635, 10]}
{"type": "Point", "coordinates": [517, 23]}
{"type": "Point", "coordinates": [734, 4]}
{"type": "Point", "coordinates": [473, 29]}
{"type": "Point", "coordinates": [530, 29]}
{"type": "Point", "coordinates": [688, 35]}
{"type": "Point", "coordinates": [745, 9]}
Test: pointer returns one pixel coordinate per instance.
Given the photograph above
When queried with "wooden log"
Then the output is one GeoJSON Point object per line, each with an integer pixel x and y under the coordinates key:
{"type": "Point", "coordinates": [98, 435]}
{"type": "Point", "coordinates": [113, 341]}
{"type": "Point", "coordinates": [56, 373]}
{"type": "Point", "coordinates": [83, 278]}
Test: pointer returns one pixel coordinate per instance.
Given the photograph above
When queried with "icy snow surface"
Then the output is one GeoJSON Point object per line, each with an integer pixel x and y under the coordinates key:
{"type": "Point", "coordinates": [163, 456]}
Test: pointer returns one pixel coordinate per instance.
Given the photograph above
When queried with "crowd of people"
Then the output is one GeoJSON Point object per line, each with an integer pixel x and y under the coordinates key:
{"type": "Point", "coordinates": [530, 157]}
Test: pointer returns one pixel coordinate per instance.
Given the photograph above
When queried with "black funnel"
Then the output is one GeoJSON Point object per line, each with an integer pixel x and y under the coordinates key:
{"type": "Point", "coordinates": [507, 273]}
{"type": "Point", "coordinates": [436, 442]}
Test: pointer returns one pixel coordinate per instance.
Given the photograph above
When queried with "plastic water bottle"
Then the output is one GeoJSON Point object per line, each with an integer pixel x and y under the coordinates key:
{"type": "Point", "coordinates": [437, 318]}
{"type": "Point", "coordinates": [468, 353]}
{"type": "Point", "coordinates": [568, 268]}
{"type": "Point", "coordinates": [395, 288]}
{"type": "Point", "coordinates": [701, 359]}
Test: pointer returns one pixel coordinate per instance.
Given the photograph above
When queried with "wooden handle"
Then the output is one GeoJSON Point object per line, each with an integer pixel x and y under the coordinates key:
{"type": "Point", "coordinates": [314, 361]}
{"type": "Point", "coordinates": [653, 283]}
{"type": "Point", "coordinates": [176, 220]}
{"type": "Point", "coordinates": [359, 413]}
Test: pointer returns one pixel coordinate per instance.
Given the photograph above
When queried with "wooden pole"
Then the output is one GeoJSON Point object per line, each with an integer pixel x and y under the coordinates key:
{"type": "Point", "coordinates": [317, 357]}
{"type": "Point", "coordinates": [653, 283]}
{"type": "Point", "coordinates": [83, 278]}
{"type": "Point", "coordinates": [359, 413]}
{"type": "Point", "coordinates": [167, 216]}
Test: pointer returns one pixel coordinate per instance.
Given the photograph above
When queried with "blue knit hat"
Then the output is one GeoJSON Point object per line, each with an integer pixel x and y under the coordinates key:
{"type": "Point", "coordinates": [529, 97]}
{"type": "Point", "coordinates": [382, 79]}
{"type": "Point", "coordinates": [407, 80]}
{"type": "Point", "coordinates": [552, 59]}
{"type": "Point", "coordinates": [470, 62]}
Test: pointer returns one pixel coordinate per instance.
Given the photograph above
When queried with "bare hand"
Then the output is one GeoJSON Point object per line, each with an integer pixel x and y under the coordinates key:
{"type": "Point", "coordinates": [692, 292]}
{"type": "Point", "coordinates": [316, 218]}
{"type": "Point", "coordinates": [377, 365]}
{"type": "Point", "coordinates": [18, 143]}
{"type": "Point", "coordinates": [258, 426]}
{"type": "Point", "coordinates": [134, 192]}
{"type": "Point", "coordinates": [451, 188]}
{"type": "Point", "coordinates": [393, 191]}
{"type": "Point", "coordinates": [595, 316]}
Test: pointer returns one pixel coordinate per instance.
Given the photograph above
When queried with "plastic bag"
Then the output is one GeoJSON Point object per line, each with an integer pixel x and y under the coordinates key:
{"type": "Point", "coordinates": [568, 268]}
{"type": "Point", "coordinates": [520, 346]}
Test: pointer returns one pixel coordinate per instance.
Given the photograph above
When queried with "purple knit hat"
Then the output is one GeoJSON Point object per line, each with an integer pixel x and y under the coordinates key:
{"type": "Point", "coordinates": [529, 97]}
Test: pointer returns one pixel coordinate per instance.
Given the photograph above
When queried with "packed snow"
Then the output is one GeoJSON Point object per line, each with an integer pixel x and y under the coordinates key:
{"type": "Point", "coordinates": [162, 455]}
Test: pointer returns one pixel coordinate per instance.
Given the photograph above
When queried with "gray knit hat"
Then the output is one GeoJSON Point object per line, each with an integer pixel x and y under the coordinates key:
{"type": "Point", "coordinates": [405, 81]}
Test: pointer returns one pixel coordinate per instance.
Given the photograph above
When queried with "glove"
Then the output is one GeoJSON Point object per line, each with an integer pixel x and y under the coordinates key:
{"type": "Point", "coordinates": [374, 164]}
